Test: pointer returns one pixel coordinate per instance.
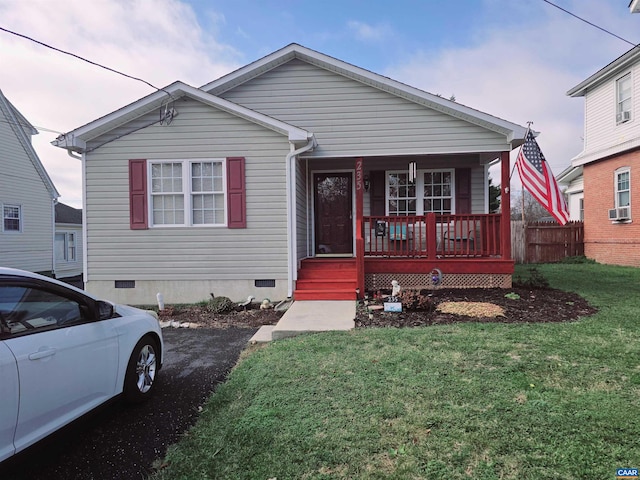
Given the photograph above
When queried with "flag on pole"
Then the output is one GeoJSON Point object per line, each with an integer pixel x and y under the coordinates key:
{"type": "Point", "coordinates": [538, 179]}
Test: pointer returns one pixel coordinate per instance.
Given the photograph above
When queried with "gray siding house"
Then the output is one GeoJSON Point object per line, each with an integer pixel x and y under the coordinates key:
{"type": "Point", "coordinates": [68, 249]}
{"type": "Point", "coordinates": [297, 175]}
{"type": "Point", "coordinates": [27, 197]}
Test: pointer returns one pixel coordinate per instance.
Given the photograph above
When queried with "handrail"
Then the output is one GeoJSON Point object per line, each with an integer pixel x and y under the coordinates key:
{"type": "Point", "coordinates": [432, 235]}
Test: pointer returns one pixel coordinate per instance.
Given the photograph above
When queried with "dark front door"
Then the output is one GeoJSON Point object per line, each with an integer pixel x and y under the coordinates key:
{"type": "Point", "coordinates": [333, 213]}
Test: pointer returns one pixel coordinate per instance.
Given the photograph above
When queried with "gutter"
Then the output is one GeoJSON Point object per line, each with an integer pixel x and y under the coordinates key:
{"type": "Point", "coordinates": [290, 166]}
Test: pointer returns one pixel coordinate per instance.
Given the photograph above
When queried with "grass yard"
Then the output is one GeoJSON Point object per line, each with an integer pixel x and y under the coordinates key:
{"type": "Point", "coordinates": [464, 401]}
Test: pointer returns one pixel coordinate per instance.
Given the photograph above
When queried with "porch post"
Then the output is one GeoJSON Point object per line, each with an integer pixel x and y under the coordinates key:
{"type": "Point", "coordinates": [505, 203]}
{"type": "Point", "coordinates": [359, 226]}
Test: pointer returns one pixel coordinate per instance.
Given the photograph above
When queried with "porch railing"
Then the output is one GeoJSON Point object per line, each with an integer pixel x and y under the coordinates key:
{"type": "Point", "coordinates": [432, 236]}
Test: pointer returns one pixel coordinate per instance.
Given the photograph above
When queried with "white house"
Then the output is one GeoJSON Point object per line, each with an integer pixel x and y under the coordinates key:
{"type": "Point", "coordinates": [296, 175]}
{"type": "Point", "coordinates": [27, 197]}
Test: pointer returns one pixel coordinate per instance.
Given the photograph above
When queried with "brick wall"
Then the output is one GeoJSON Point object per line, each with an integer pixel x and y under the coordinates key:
{"type": "Point", "coordinates": [605, 241]}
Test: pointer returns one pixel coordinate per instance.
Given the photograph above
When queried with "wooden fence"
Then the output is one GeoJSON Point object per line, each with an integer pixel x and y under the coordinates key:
{"type": "Point", "coordinates": [546, 242]}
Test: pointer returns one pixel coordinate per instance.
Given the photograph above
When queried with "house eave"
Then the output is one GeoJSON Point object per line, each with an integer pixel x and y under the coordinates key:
{"type": "Point", "coordinates": [77, 139]}
{"type": "Point", "coordinates": [614, 68]}
{"type": "Point", "coordinates": [634, 6]}
{"type": "Point", "coordinates": [593, 156]}
{"type": "Point", "coordinates": [514, 133]}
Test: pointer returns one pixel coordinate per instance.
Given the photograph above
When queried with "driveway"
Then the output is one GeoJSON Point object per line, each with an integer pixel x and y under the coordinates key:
{"type": "Point", "coordinates": [123, 442]}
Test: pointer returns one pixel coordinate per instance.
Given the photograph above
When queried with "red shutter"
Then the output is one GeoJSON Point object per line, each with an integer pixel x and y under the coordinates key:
{"type": "Point", "coordinates": [463, 190]}
{"type": "Point", "coordinates": [236, 194]}
{"type": "Point", "coordinates": [138, 194]}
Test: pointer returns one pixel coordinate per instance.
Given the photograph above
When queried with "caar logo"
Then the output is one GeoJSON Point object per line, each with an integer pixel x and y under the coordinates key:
{"type": "Point", "coordinates": [627, 473]}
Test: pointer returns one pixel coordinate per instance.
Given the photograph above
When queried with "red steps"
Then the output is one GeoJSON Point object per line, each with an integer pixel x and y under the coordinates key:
{"type": "Point", "coordinates": [326, 279]}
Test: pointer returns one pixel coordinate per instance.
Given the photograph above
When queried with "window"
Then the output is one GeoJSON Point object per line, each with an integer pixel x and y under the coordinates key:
{"type": "Point", "coordinates": [623, 187]}
{"type": "Point", "coordinates": [188, 192]}
{"type": "Point", "coordinates": [27, 310]}
{"type": "Point", "coordinates": [623, 99]}
{"type": "Point", "coordinates": [12, 218]}
{"type": "Point", "coordinates": [435, 189]}
{"type": "Point", "coordinates": [401, 194]}
{"type": "Point", "coordinates": [438, 192]}
{"type": "Point", "coordinates": [65, 246]}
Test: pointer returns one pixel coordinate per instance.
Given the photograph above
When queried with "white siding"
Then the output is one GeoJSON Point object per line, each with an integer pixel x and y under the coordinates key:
{"type": "Point", "coordinates": [70, 268]}
{"type": "Point", "coordinates": [601, 131]}
{"type": "Point", "coordinates": [350, 118]}
{"type": "Point", "coordinates": [20, 184]}
{"type": "Point", "coordinates": [189, 253]}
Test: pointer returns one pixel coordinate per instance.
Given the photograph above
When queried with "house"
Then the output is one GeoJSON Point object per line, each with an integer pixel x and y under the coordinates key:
{"type": "Point", "coordinates": [68, 243]}
{"type": "Point", "coordinates": [572, 178]}
{"type": "Point", "coordinates": [609, 165]}
{"type": "Point", "coordinates": [27, 197]}
{"type": "Point", "coordinates": [296, 175]}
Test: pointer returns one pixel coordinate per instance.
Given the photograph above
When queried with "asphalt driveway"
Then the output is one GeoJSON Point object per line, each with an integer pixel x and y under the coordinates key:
{"type": "Point", "coordinates": [124, 442]}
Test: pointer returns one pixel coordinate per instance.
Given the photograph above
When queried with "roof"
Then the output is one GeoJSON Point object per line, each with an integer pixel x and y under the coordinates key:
{"type": "Point", "coordinates": [616, 67]}
{"type": "Point", "coordinates": [23, 131]}
{"type": "Point", "coordinates": [634, 6]}
{"type": "Point", "coordinates": [76, 139]}
{"type": "Point", "coordinates": [67, 214]}
{"type": "Point", "coordinates": [514, 133]}
{"type": "Point", "coordinates": [569, 174]}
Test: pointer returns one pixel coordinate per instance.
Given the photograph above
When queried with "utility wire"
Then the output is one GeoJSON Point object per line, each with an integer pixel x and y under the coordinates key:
{"type": "Point", "coordinates": [84, 60]}
{"type": "Point", "coordinates": [588, 22]}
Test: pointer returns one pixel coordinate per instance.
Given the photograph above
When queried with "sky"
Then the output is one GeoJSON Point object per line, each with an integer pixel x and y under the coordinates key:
{"type": "Point", "coordinates": [512, 59]}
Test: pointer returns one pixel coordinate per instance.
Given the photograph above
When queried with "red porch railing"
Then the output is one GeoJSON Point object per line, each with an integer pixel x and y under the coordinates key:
{"type": "Point", "coordinates": [432, 236]}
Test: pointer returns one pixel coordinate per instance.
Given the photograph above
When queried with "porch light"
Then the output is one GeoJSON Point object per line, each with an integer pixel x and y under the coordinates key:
{"type": "Point", "coordinates": [367, 183]}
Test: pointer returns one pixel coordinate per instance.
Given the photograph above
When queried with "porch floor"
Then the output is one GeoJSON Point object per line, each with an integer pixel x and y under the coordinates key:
{"type": "Point", "coordinates": [309, 317]}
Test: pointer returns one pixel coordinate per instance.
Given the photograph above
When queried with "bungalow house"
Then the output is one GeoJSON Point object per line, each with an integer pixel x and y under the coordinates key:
{"type": "Point", "coordinates": [572, 178]}
{"type": "Point", "coordinates": [68, 243]}
{"type": "Point", "coordinates": [297, 175]}
{"type": "Point", "coordinates": [27, 197]}
{"type": "Point", "coordinates": [608, 169]}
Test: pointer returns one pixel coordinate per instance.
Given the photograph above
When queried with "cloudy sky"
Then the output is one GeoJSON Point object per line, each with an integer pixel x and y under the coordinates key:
{"type": "Point", "coordinates": [512, 59]}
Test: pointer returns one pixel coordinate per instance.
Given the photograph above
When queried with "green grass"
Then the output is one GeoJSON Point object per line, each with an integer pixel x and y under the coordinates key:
{"type": "Point", "coordinates": [479, 401]}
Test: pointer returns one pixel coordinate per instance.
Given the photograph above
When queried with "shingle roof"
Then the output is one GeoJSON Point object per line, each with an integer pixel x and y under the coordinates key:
{"type": "Point", "coordinates": [67, 214]}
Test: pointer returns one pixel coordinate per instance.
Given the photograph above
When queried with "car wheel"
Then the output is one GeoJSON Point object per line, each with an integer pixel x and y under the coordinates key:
{"type": "Point", "coordinates": [141, 371]}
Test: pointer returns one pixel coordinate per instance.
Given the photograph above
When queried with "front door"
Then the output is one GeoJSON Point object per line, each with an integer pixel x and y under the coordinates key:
{"type": "Point", "coordinates": [333, 213]}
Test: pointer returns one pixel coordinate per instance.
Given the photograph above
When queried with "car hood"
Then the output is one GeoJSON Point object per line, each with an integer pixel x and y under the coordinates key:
{"type": "Point", "coordinates": [129, 310]}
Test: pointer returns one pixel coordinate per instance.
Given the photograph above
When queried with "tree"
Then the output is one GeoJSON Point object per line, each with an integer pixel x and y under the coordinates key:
{"type": "Point", "coordinates": [533, 211]}
{"type": "Point", "coordinates": [494, 197]}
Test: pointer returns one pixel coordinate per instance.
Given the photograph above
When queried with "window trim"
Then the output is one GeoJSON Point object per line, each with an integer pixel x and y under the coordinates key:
{"type": "Point", "coordinates": [616, 193]}
{"type": "Point", "coordinates": [187, 192]}
{"type": "Point", "coordinates": [619, 109]}
{"type": "Point", "coordinates": [20, 218]}
{"type": "Point", "coordinates": [419, 183]}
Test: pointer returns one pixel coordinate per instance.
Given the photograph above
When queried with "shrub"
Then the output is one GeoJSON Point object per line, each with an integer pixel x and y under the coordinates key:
{"type": "Point", "coordinates": [220, 305]}
{"type": "Point", "coordinates": [578, 259]}
{"type": "Point", "coordinates": [416, 300]}
{"type": "Point", "coordinates": [535, 280]}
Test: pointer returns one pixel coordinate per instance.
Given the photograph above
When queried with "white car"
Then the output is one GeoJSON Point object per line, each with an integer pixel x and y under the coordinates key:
{"type": "Point", "coordinates": [63, 353]}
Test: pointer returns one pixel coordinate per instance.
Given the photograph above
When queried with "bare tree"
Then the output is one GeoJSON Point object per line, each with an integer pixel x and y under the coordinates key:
{"type": "Point", "coordinates": [533, 211]}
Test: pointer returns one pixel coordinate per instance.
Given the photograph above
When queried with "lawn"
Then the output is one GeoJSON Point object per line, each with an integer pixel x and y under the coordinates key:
{"type": "Point", "coordinates": [479, 401]}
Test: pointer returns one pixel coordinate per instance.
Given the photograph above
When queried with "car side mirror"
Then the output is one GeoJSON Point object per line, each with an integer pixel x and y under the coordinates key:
{"type": "Point", "coordinates": [105, 310]}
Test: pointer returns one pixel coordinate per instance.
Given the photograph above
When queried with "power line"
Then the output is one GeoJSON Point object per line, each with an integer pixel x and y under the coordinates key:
{"type": "Point", "coordinates": [84, 60]}
{"type": "Point", "coordinates": [590, 23]}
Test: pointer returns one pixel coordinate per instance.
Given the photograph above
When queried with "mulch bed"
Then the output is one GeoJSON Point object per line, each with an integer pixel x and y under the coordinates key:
{"type": "Point", "coordinates": [527, 305]}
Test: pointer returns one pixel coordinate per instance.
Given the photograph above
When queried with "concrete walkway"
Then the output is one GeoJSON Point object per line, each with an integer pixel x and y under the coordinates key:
{"type": "Point", "coordinates": [309, 316]}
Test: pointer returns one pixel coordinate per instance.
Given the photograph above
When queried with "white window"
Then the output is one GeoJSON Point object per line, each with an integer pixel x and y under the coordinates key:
{"type": "Point", "coordinates": [65, 246]}
{"type": "Point", "coordinates": [434, 189]}
{"type": "Point", "coordinates": [12, 218]}
{"type": "Point", "coordinates": [187, 192]}
{"type": "Point", "coordinates": [623, 187]}
{"type": "Point", "coordinates": [623, 99]}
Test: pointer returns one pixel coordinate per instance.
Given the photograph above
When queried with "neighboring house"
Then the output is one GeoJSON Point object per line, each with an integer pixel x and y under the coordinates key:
{"type": "Point", "coordinates": [27, 197]}
{"type": "Point", "coordinates": [572, 178]}
{"type": "Point", "coordinates": [634, 6]}
{"type": "Point", "coordinates": [609, 165]}
{"type": "Point", "coordinates": [68, 242]}
{"type": "Point", "coordinates": [298, 174]}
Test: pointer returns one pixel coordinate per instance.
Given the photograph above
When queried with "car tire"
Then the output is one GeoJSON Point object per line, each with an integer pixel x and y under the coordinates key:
{"type": "Point", "coordinates": [140, 379]}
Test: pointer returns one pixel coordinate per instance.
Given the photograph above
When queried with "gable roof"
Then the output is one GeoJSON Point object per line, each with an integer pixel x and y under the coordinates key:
{"type": "Point", "coordinates": [616, 67]}
{"type": "Point", "coordinates": [514, 133]}
{"type": "Point", "coordinates": [67, 214]}
{"type": "Point", "coordinates": [23, 131]}
{"type": "Point", "coordinates": [76, 139]}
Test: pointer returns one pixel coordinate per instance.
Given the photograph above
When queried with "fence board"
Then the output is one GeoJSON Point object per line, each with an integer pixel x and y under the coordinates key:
{"type": "Point", "coordinates": [544, 242]}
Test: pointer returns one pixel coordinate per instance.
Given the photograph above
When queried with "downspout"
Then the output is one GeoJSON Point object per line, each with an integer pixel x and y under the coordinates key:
{"type": "Point", "coordinates": [53, 256]}
{"type": "Point", "coordinates": [84, 217]}
{"type": "Point", "coordinates": [292, 253]}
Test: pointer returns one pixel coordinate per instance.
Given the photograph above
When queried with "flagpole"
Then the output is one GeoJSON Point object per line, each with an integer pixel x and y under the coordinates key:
{"type": "Point", "coordinates": [529, 123]}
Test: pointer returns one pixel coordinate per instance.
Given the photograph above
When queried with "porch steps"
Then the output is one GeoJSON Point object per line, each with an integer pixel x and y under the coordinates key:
{"type": "Point", "coordinates": [326, 279]}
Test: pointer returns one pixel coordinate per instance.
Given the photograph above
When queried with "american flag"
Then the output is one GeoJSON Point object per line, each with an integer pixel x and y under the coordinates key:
{"type": "Point", "coordinates": [538, 179]}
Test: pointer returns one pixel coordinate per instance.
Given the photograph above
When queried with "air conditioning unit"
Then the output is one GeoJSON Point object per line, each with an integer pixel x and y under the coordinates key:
{"type": "Point", "coordinates": [620, 213]}
{"type": "Point", "coordinates": [623, 117]}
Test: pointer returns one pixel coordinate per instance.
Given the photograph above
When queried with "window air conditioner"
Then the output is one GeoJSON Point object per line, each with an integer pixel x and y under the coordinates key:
{"type": "Point", "coordinates": [621, 213]}
{"type": "Point", "coordinates": [623, 117]}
